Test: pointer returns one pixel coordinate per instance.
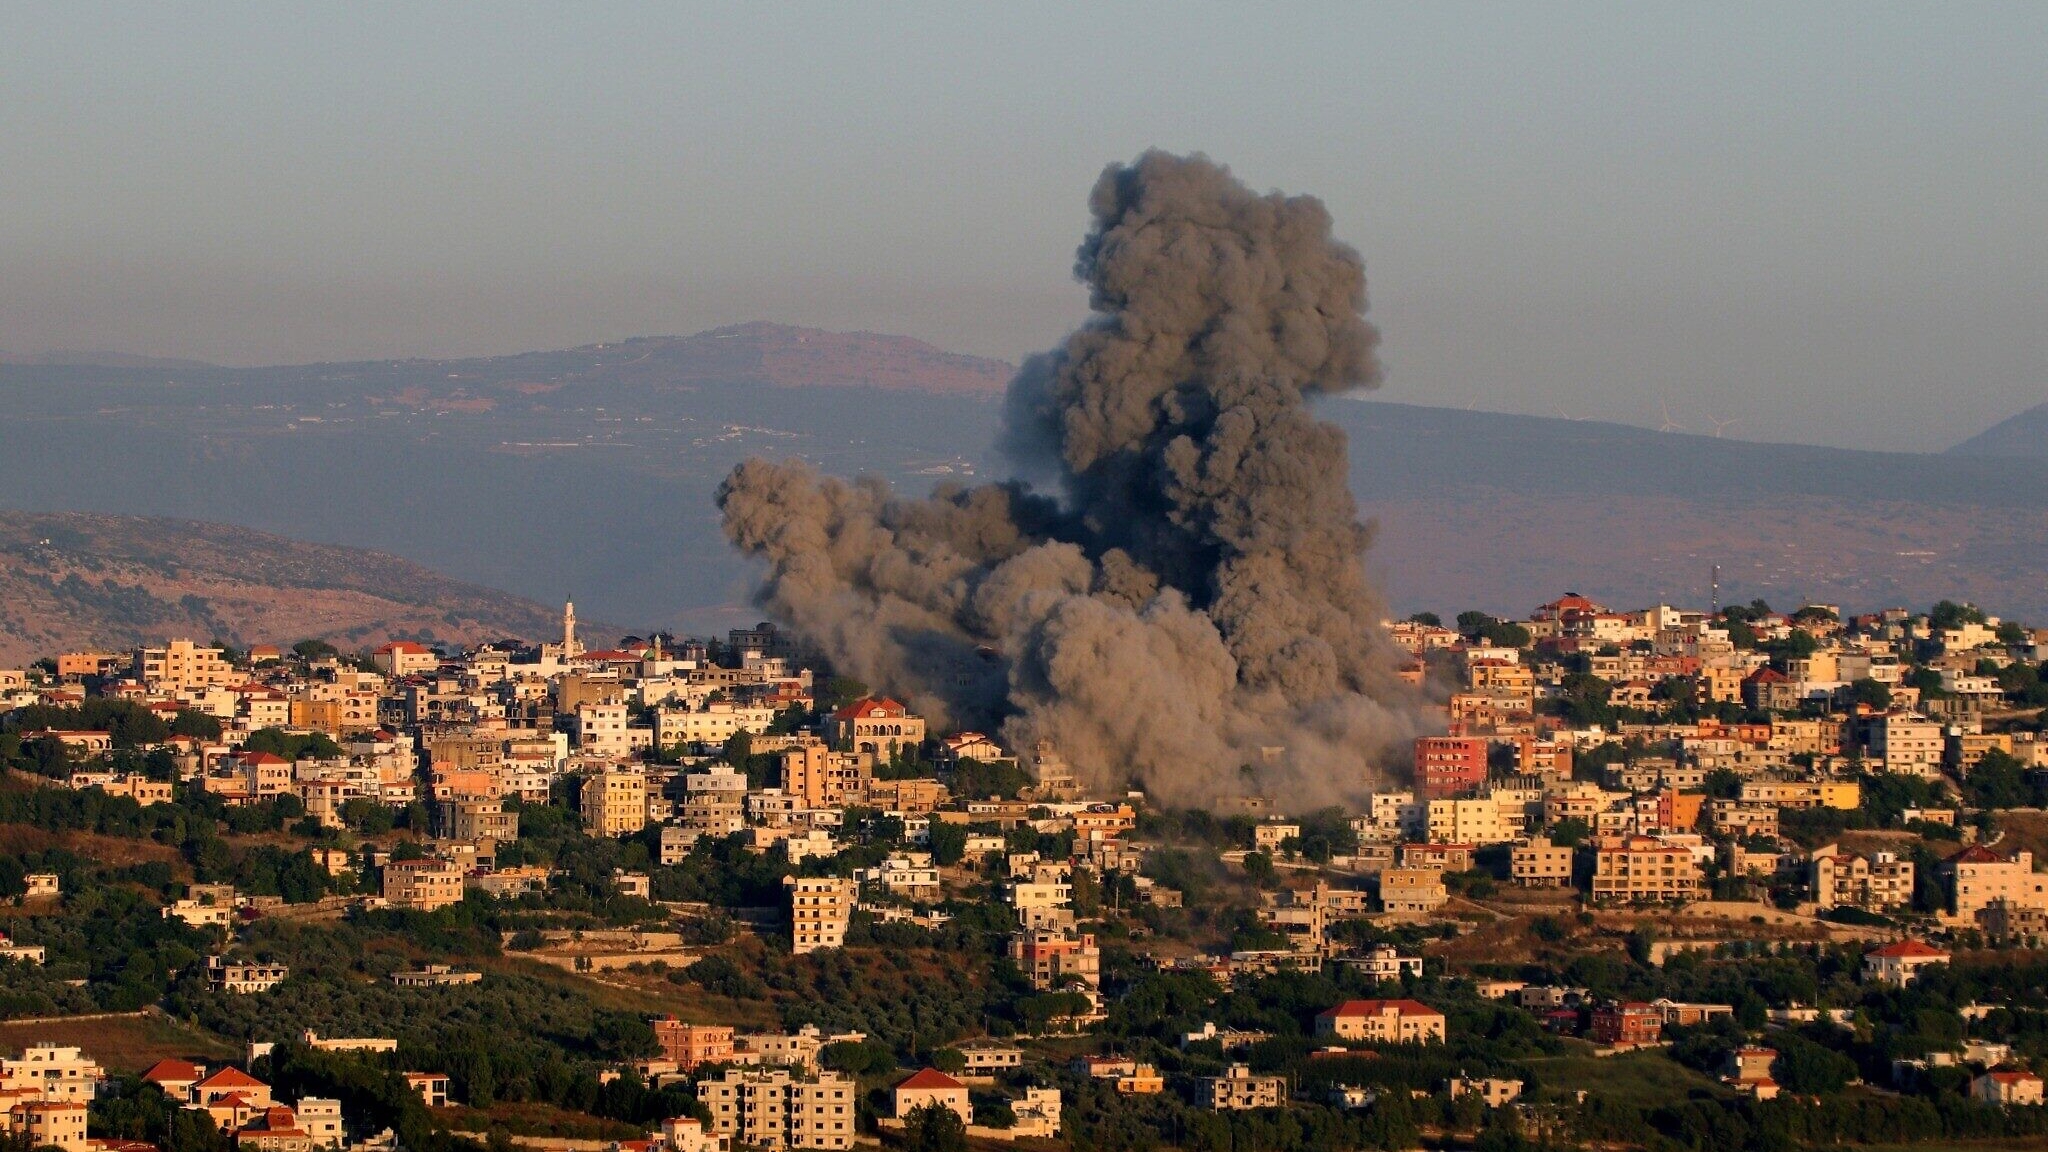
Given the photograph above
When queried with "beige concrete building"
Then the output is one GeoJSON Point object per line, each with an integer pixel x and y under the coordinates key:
{"type": "Point", "coordinates": [1873, 881]}
{"type": "Point", "coordinates": [614, 802]}
{"type": "Point", "coordinates": [1977, 876]}
{"type": "Point", "coordinates": [1412, 891]}
{"type": "Point", "coordinates": [773, 1108]}
{"type": "Point", "coordinates": [1541, 864]}
{"type": "Point", "coordinates": [1644, 868]}
{"type": "Point", "coordinates": [1239, 1090]}
{"type": "Point", "coordinates": [1477, 822]}
{"type": "Point", "coordinates": [422, 885]}
{"type": "Point", "coordinates": [927, 1088]}
{"type": "Point", "coordinates": [876, 726]}
{"type": "Point", "coordinates": [181, 664]}
{"type": "Point", "coordinates": [818, 777]}
{"type": "Point", "coordinates": [820, 907]}
{"type": "Point", "coordinates": [1382, 1022]}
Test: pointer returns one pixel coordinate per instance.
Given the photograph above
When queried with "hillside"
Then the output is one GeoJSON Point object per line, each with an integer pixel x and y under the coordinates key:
{"type": "Point", "coordinates": [592, 470]}
{"type": "Point", "coordinates": [74, 581]}
{"type": "Point", "coordinates": [2025, 434]}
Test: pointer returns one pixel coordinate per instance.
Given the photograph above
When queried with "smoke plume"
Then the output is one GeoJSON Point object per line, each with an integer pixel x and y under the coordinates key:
{"type": "Point", "coordinates": [1190, 613]}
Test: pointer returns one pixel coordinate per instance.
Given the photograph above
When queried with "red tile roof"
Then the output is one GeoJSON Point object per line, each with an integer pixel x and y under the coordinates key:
{"type": "Point", "coordinates": [1908, 948]}
{"type": "Point", "coordinates": [1375, 1007]}
{"type": "Point", "coordinates": [231, 1078]}
{"type": "Point", "coordinates": [171, 1072]}
{"type": "Point", "coordinates": [929, 1078]}
{"type": "Point", "coordinates": [872, 706]}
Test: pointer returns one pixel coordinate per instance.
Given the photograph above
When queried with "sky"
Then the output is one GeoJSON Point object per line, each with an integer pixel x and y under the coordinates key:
{"type": "Point", "coordinates": [1811, 222]}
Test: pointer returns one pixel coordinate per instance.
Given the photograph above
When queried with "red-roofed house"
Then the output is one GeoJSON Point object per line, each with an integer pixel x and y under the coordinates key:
{"type": "Point", "coordinates": [1897, 963]}
{"type": "Point", "coordinates": [877, 726]}
{"type": "Point", "coordinates": [229, 1082]}
{"type": "Point", "coordinates": [175, 1077]}
{"type": "Point", "coordinates": [1383, 1022]}
{"type": "Point", "coordinates": [2007, 1087]}
{"type": "Point", "coordinates": [404, 658]}
{"type": "Point", "coordinates": [928, 1087]}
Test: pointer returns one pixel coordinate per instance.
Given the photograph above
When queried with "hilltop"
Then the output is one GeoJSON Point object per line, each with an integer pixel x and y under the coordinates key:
{"type": "Point", "coordinates": [78, 581]}
{"type": "Point", "coordinates": [2023, 434]}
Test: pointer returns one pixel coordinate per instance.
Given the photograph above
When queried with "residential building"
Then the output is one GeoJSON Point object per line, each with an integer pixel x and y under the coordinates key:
{"type": "Point", "coordinates": [1898, 962]}
{"type": "Point", "coordinates": [1382, 1022]}
{"type": "Point", "coordinates": [1055, 958]}
{"type": "Point", "coordinates": [50, 1071]}
{"type": "Point", "coordinates": [819, 911]}
{"type": "Point", "coordinates": [1412, 891]}
{"type": "Point", "coordinates": [1446, 766]}
{"type": "Point", "coordinates": [1626, 1024]}
{"type": "Point", "coordinates": [1238, 1090]}
{"type": "Point", "coordinates": [1979, 875]}
{"type": "Point", "coordinates": [775, 1108]}
{"type": "Point", "coordinates": [180, 665]}
{"type": "Point", "coordinates": [817, 777]}
{"type": "Point", "coordinates": [1538, 863]}
{"type": "Point", "coordinates": [614, 802]}
{"type": "Point", "coordinates": [689, 1045]}
{"type": "Point", "coordinates": [1873, 881]}
{"type": "Point", "coordinates": [431, 1086]}
{"type": "Point", "coordinates": [1475, 821]}
{"type": "Point", "coordinates": [1909, 745]}
{"type": "Point", "coordinates": [929, 1088]}
{"type": "Point", "coordinates": [423, 885]}
{"type": "Point", "coordinates": [2007, 1088]}
{"type": "Point", "coordinates": [224, 975]}
{"type": "Point", "coordinates": [876, 726]}
{"type": "Point", "coordinates": [1644, 868]}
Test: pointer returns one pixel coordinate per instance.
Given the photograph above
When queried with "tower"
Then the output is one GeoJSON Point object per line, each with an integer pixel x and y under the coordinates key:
{"type": "Point", "coordinates": [569, 629]}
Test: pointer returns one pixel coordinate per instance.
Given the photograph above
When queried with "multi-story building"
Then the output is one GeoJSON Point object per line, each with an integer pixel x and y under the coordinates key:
{"type": "Point", "coordinates": [878, 727]}
{"type": "Point", "coordinates": [600, 730]}
{"type": "Point", "coordinates": [1898, 962]}
{"type": "Point", "coordinates": [818, 777]}
{"type": "Point", "coordinates": [423, 885]}
{"type": "Point", "coordinates": [1979, 875]}
{"type": "Point", "coordinates": [1909, 745]}
{"type": "Point", "coordinates": [1476, 822]}
{"type": "Point", "coordinates": [50, 1071]}
{"type": "Point", "coordinates": [179, 665]}
{"type": "Point", "coordinates": [479, 820]}
{"type": "Point", "coordinates": [1626, 1024]}
{"type": "Point", "coordinates": [689, 1045]}
{"type": "Point", "coordinates": [1238, 1090]}
{"type": "Point", "coordinates": [1846, 795]}
{"type": "Point", "coordinates": [1644, 868]}
{"type": "Point", "coordinates": [224, 975]}
{"type": "Point", "coordinates": [1382, 1022]}
{"type": "Point", "coordinates": [1412, 891]}
{"type": "Point", "coordinates": [775, 1108]}
{"type": "Point", "coordinates": [1873, 881]}
{"type": "Point", "coordinates": [1448, 765]}
{"type": "Point", "coordinates": [1053, 958]}
{"type": "Point", "coordinates": [819, 909]}
{"type": "Point", "coordinates": [1540, 864]}
{"type": "Point", "coordinates": [614, 802]}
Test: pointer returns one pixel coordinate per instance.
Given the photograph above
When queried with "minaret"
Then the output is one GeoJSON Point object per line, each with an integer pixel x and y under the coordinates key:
{"type": "Point", "coordinates": [569, 650]}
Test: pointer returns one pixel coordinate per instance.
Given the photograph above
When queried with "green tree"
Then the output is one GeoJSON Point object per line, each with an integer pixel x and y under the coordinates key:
{"type": "Point", "coordinates": [934, 1128]}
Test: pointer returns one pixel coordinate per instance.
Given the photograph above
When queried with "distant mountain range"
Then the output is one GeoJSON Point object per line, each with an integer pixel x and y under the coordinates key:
{"type": "Point", "coordinates": [71, 581]}
{"type": "Point", "coordinates": [2023, 435]}
{"type": "Point", "coordinates": [591, 470]}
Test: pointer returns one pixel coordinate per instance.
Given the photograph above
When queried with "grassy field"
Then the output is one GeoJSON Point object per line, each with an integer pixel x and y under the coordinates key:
{"type": "Point", "coordinates": [1645, 1079]}
{"type": "Point", "coordinates": [124, 1043]}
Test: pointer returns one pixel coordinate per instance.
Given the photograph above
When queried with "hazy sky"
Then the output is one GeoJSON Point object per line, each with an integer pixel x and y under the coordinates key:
{"type": "Point", "coordinates": [1826, 223]}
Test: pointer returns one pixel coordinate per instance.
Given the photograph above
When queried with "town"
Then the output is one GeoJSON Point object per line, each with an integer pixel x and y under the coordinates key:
{"type": "Point", "coordinates": [1661, 878]}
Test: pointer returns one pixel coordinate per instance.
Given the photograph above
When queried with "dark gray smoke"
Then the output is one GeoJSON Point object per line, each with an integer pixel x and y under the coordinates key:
{"type": "Point", "coordinates": [1191, 613]}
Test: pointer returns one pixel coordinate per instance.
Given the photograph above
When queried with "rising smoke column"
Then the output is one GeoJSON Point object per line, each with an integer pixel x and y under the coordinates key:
{"type": "Point", "coordinates": [1190, 613]}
